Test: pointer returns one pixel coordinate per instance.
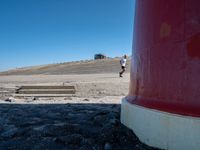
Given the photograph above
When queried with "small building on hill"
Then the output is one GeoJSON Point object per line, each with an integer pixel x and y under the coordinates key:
{"type": "Point", "coordinates": [99, 56]}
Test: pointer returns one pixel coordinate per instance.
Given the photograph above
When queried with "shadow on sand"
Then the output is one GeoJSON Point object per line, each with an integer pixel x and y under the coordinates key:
{"type": "Point", "coordinates": [65, 126]}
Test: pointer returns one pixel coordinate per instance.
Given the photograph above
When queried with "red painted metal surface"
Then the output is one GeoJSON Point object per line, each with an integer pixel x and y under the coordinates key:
{"type": "Point", "coordinates": [165, 71]}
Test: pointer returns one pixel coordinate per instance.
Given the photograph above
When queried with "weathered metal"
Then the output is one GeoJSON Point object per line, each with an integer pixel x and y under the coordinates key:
{"type": "Point", "coordinates": [165, 71]}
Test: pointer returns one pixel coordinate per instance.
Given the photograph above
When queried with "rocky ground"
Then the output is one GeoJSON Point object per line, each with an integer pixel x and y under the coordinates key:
{"type": "Point", "coordinates": [66, 127]}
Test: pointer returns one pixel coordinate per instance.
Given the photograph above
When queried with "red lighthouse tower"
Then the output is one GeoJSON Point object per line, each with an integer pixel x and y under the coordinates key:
{"type": "Point", "coordinates": [163, 105]}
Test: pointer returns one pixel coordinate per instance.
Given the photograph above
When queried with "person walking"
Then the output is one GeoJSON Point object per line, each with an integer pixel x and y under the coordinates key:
{"type": "Point", "coordinates": [123, 65]}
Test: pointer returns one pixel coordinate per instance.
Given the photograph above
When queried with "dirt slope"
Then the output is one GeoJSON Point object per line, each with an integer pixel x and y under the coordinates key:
{"type": "Point", "coordinates": [110, 65]}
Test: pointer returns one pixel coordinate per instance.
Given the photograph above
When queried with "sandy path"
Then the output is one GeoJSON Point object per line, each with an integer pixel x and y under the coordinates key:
{"type": "Point", "coordinates": [88, 85]}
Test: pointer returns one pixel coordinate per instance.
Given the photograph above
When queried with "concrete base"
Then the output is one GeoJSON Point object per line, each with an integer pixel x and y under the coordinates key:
{"type": "Point", "coordinates": [160, 129]}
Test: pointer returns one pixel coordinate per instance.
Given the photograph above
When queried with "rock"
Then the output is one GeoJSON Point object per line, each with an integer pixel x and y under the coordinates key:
{"type": "Point", "coordinates": [114, 122]}
{"type": "Point", "coordinates": [73, 139]}
{"type": "Point", "coordinates": [87, 142]}
{"type": "Point", "coordinates": [40, 128]}
{"type": "Point", "coordinates": [10, 99]}
{"type": "Point", "coordinates": [139, 147]}
{"type": "Point", "coordinates": [34, 98]}
{"type": "Point", "coordinates": [9, 133]}
{"type": "Point", "coordinates": [108, 146]}
{"type": "Point", "coordinates": [86, 99]}
{"type": "Point", "coordinates": [86, 147]}
{"type": "Point", "coordinates": [47, 143]}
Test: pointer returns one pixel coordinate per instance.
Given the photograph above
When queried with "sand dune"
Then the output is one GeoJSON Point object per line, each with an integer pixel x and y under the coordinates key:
{"type": "Point", "coordinates": [109, 65]}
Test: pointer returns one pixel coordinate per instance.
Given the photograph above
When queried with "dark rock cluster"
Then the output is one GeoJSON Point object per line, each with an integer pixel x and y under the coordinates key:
{"type": "Point", "coordinates": [65, 127]}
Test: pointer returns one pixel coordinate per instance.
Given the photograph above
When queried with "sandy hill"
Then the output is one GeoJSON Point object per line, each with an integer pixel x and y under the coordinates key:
{"type": "Point", "coordinates": [109, 65]}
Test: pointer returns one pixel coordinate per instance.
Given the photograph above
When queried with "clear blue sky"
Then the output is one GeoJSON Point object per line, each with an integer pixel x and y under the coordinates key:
{"type": "Point", "coordinates": [34, 32]}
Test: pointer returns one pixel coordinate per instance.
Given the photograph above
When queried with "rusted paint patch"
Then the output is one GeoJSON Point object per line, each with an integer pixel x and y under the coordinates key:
{"type": "Point", "coordinates": [165, 30]}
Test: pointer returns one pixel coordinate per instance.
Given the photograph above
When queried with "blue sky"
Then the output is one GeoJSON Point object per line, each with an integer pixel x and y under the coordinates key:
{"type": "Point", "coordinates": [34, 32]}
